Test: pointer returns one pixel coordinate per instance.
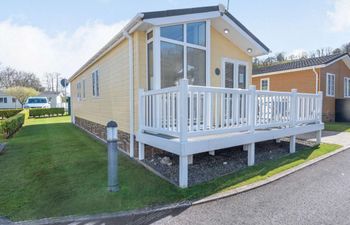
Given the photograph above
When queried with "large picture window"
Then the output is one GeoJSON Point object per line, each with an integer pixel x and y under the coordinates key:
{"type": "Point", "coordinates": [183, 54]}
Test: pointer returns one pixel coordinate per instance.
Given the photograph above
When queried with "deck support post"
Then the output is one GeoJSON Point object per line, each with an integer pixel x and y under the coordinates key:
{"type": "Point", "coordinates": [212, 153]}
{"type": "Point", "coordinates": [183, 173]}
{"type": "Point", "coordinates": [292, 144]}
{"type": "Point", "coordinates": [190, 159]}
{"type": "Point", "coordinates": [183, 117]}
{"type": "Point", "coordinates": [318, 137]}
{"type": "Point", "coordinates": [141, 151]}
{"type": "Point", "coordinates": [251, 154]}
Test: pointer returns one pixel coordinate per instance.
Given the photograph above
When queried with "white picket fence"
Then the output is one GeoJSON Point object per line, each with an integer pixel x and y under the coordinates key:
{"type": "Point", "coordinates": [185, 110]}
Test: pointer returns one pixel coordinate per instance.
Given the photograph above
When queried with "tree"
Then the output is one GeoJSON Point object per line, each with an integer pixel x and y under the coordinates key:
{"type": "Point", "coordinates": [10, 77]}
{"type": "Point", "coordinates": [52, 81]}
{"type": "Point", "coordinates": [21, 93]}
{"type": "Point", "coordinates": [337, 51]}
{"type": "Point", "coordinates": [280, 57]}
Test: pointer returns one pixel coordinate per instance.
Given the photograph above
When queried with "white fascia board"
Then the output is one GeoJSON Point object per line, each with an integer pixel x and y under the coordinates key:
{"type": "Point", "coordinates": [288, 71]}
{"type": "Point", "coordinates": [182, 18]}
{"type": "Point", "coordinates": [245, 35]}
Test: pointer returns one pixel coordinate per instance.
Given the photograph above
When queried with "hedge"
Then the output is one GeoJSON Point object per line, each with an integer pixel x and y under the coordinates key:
{"type": "Point", "coordinates": [46, 112]}
{"type": "Point", "coordinates": [7, 113]}
{"type": "Point", "coordinates": [11, 125]}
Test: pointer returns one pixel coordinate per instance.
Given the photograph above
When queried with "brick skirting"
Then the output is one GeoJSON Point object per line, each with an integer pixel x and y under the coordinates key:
{"type": "Point", "coordinates": [99, 131]}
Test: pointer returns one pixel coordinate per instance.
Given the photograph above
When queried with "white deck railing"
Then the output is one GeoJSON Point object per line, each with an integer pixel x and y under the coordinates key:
{"type": "Point", "coordinates": [186, 110]}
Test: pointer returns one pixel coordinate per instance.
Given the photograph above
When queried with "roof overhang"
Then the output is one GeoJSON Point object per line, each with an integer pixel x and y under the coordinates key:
{"type": "Point", "coordinates": [220, 20]}
{"type": "Point", "coordinates": [345, 58]}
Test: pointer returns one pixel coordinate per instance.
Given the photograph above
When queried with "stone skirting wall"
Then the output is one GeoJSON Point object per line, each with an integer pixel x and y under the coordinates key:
{"type": "Point", "coordinates": [99, 131]}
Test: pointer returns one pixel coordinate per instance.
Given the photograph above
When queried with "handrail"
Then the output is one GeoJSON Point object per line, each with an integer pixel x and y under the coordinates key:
{"type": "Point", "coordinates": [188, 110]}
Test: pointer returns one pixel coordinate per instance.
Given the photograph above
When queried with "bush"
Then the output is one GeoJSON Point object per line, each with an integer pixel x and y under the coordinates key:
{"type": "Point", "coordinates": [7, 113]}
{"type": "Point", "coordinates": [11, 125]}
{"type": "Point", "coordinates": [46, 112]}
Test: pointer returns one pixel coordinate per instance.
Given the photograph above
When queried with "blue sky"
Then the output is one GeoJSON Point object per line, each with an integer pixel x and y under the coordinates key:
{"type": "Point", "coordinates": [82, 27]}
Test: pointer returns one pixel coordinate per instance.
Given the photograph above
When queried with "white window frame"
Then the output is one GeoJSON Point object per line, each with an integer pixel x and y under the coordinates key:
{"type": "Point", "coordinates": [346, 87]}
{"type": "Point", "coordinates": [236, 64]}
{"type": "Point", "coordinates": [147, 42]}
{"type": "Point", "coordinates": [78, 91]}
{"type": "Point", "coordinates": [157, 55]}
{"type": "Point", "coordinates": [268, 84]}
{"type": "Point", "coordinates": [83, 87]}
{"type": "Point", "coordinates": [327, 85]}
{"type": "Point", "coordinates": [94, 86]}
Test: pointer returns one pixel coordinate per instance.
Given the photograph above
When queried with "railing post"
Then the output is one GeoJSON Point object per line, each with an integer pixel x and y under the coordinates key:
{"type": "Point", "coordinates": [320, 105]}
{"type": "Point", "coordinates": [294, 108]}
{"type": "Point", "coordinates": [252, 107]}
{"type": "Point", "coordinates": [294, 117]}
{"type": "Point", "coordinates": [183, 158]}
{"type": "Point", "coordinates": [141, 123]}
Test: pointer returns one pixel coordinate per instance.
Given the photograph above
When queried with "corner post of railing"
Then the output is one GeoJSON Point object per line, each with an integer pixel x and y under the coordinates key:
{"type": "Point", "coordinates": [142, 111]}
{"type": "Point", "coordinates": [183, 117]}
{"type": "Point", "coordinates": [294, 108]}
{"type": "Point", "coordinates": [252, 107]}
{"type": "Point", "coordinates": [320, 106]}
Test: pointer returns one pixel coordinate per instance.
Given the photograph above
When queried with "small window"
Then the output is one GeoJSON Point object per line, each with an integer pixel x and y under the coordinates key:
{"type": "Point", "coordinates": [173, 32]}
{"type": "Point", "coordinates": [196, 33]}
{"type": "Point", "coordinates": [150, 65]}
{"type": "Point", "coordinates": [84, 89]}
{"type": "Point", "coordinates": [265, 84]}
{"type": "Point", "coordinates": [78, 90]}
{"type": "Point", "coordinates": [13, 100]}
{"type": "Point", "coordinates": [5, 100]}
{"type": "Point", "coordinates": [330, 85]}
{"type": "Point", "coordinates": [95, 84]}
{"type": "Point", "coordinates": [1, 100]}
{"type": "Point", "coordinates": [347, 87]}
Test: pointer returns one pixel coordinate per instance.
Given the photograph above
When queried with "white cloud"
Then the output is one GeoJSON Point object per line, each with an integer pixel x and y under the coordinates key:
{"type": "Point", "coordinates": [30, 48]}
{"type": "Point", "coordinates": [339, 17]}
{"type": "Point", "coordinates": [297, 53]}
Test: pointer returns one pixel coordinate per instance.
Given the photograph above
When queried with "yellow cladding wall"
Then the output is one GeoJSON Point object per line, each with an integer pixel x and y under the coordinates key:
{"type": "Point", "coordinates": [113, 102]}
{"type": "Point", "coordinates": [221, 48]}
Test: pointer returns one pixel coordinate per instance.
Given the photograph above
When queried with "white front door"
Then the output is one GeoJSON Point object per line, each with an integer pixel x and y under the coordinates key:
{"type": "Point", "coordinates": [234, 74]}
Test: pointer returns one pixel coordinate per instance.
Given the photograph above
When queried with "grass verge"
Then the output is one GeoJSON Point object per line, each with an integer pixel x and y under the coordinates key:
{"type": "Point", "coordinates": [337, 126]}
{"type": "Point", "coordinates": [52, 168]}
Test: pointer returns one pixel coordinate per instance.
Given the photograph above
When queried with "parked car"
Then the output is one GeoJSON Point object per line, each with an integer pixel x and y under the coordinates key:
{"type": "Point", "coordinates": [37, 102]}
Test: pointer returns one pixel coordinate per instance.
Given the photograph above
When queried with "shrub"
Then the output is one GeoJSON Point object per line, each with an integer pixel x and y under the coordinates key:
{"type": "Point", "coordinates": [7, 113]}
{"type": "Point", "coordinates": [46, 112]}
{"type": "Point", "coordinates": [11, 125]}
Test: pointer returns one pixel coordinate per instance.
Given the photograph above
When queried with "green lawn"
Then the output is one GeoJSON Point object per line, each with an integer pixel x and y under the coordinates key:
{"type": "Point", "coordinates": [337, 126]}
{"type": "Point", "coordinates": [52, 169]}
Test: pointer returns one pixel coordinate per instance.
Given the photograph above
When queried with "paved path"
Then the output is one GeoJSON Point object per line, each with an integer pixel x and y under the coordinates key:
{"type": "Point", "coordinates": [319, 194]}
{"type": "Point", "coordinates": [332, 137]}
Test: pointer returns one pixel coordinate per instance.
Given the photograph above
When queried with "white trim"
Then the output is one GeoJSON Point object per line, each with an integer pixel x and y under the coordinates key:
{"type": "Point", "coordinates": [268, 83]}
{"type": "Point", "coordinates": [244, 34]}
{"type": "Point", "coordinates": [327, 85]}
{"type": "Point", "coordinates": [346, 87]}
{"type": "Point", "coordinates": [236, 64]}
{"type": "Point", "coordinates": [182, 18]}
{"type": "Point", "coordinates": [208, 53]}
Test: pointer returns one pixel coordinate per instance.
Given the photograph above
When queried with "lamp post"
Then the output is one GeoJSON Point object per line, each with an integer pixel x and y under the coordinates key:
{"type": "Point", "coordinates": [112, 143]}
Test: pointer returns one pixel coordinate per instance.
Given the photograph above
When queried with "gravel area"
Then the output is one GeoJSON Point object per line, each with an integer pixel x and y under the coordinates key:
{"type": "Point", "coordinates": [206, 167]}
